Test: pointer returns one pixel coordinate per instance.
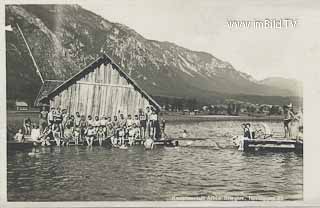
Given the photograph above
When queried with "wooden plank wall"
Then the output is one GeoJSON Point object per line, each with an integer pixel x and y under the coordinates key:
{"type": "Point", "coordinates": [103, 91]}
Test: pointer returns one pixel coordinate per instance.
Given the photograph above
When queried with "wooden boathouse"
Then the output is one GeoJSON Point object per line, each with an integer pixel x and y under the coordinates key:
{"type": "Point", "coordinates": [102, 88]}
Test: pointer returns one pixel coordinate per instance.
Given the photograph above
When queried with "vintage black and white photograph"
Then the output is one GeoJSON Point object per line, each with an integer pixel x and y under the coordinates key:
{"type": "Point", "coordinates": [140, 100]}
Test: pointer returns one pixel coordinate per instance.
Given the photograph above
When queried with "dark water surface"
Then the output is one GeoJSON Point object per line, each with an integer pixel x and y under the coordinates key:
{"type": "Point", "coordinates": [211, 168]}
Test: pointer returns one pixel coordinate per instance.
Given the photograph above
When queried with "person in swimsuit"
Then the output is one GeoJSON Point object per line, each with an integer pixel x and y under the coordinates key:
{"type": "Point", "coordinates": [116, 128]}
{"type": "Point", "coordinates": [123, 129]}
{"type": "Point", "coordinates": [58, 120]}
{"type": "Point", "coordinates": [77, 119]}
{"type": "Point", "coordinates": [68, 135]}
{"type": "Point", "coordinates": [96, 123]}
{"type": "Point", "coordinates": [288, 117]}
{"type": "Point", "coordinates": [43, 119]}
{"type": "Point", "coordinates": [148, 113]}
{"type": "Point", "coordinates": [100, 135]}
{"type": "Point", "coordinates": [143, 124]}
{"type": "Point", "coordinates": [83, 126]}
{"type": "Point", "coordinates": [90, 135]}
{"type": "Point", "coordinates": [56, 134]}
{"type": "Point", "coordinates": [50, 116]}
{"type": "Point", "coordinates": [76, 135]}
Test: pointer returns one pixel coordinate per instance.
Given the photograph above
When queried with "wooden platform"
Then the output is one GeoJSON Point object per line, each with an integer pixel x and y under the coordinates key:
{"type": "Point", "coordinates": [276, 145]}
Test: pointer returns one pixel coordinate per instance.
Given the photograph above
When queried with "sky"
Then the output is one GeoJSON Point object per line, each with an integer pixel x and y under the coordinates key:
{"type": "Point", "coordinates": [202, 25]}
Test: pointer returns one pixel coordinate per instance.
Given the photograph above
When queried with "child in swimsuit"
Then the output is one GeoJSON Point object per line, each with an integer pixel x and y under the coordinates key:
{"type": "Point", "coordinates": [76, 135]}
{"type": "Point", "coordinates": [100, 135]}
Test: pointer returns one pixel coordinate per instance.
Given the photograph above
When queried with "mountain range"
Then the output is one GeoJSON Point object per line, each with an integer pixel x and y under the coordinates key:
{"type": "Point", "coordinates": [65, 38]}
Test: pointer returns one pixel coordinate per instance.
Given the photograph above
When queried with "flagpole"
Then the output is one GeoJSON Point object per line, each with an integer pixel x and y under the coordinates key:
{"type": "Point", "coordinates": [33, 60]}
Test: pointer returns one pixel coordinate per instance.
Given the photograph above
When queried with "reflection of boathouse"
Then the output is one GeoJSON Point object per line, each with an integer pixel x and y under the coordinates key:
{"type": "Point", "coordinates": [102, 88]}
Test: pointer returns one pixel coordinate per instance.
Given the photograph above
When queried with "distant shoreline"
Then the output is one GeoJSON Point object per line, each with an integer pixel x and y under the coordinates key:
{"type": "Point", "coordinates": [202, 118]}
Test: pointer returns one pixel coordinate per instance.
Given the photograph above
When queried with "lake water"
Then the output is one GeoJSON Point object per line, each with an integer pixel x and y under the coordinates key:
{"type": "Point", "coordinates": [211, 168]}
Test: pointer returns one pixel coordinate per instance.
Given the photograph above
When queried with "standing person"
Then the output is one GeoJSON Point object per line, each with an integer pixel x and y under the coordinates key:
{"type": "Point", "coordinates": [143, 124]}
{"type": "Point", "coordinates": [65, 117]}
{"type": "Point", "coordinates": [148, 113]}
{"type": "Point", "coordinates": [123, 129]}
{"type": "Point", "coordinates": [111, 134]}
{"type": "Point", "coordinates": [300, 127]}
{"type": "Point", "coordinates": [77, 119]}
{"type": "Point", "coordinates": [129, 129]}
{"type": "Point", "coordinates": [248, 133]}
{"type": "Point", "coordinates": [58, 120]}
{"type": "Point", "coordinates": [43, 119]}
{"type": "Point", "coordinates": [163, 128]}
{"type": "Point", "coordinates": [83, 127]}
{"type": "Point", "coordinates": [116, 127]}
{"type": "Point", "coordinates": [153, 124]}
{"type": "Point", "coordinates": [288, 117]}
{"type": "Point", "coordinates": [51, 116]}
{"type": "Point", "coordinates": [136, 121]}
{"type": "Point", "coordinates": [129, 122]}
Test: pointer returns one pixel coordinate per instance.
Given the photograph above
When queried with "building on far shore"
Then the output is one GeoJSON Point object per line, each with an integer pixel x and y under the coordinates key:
{"type": "Point", "coordinates": [102, 88]}
{"type": "Point", "coordinates": [21, 106]}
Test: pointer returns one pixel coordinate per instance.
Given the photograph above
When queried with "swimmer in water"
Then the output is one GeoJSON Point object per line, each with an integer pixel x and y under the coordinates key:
{"type": "Point", "coordinates": [148, 144]}
{"type": "Point", "coordinates": [184, 134]}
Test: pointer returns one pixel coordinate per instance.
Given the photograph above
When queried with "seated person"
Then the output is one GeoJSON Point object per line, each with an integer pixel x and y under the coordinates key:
{"type": "Point", "coordinates": [68, 135]}
{"type": "Point", "coordinates": [90, 135]}
{"type": "Point", "coordinates": [19, 137]}
{"type": "Point", "coordinates": [45, 136]}
{"type": "Point", "coordinates": [56, 133]}
{"type": "Point", "coordinates": [133, 134]}
{"type": "Point", "coordinates": [96, 123]}
{"type": "Point", "coordinates": [35, 133]}
{"type": "Point", "coordinates": [27, 126]}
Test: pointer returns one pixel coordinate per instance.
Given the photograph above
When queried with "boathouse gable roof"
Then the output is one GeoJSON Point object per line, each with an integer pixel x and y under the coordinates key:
{"type": "Point", "coordinates": [45, 89]}
{"type": "Point", "coordinates": [101, 60]}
